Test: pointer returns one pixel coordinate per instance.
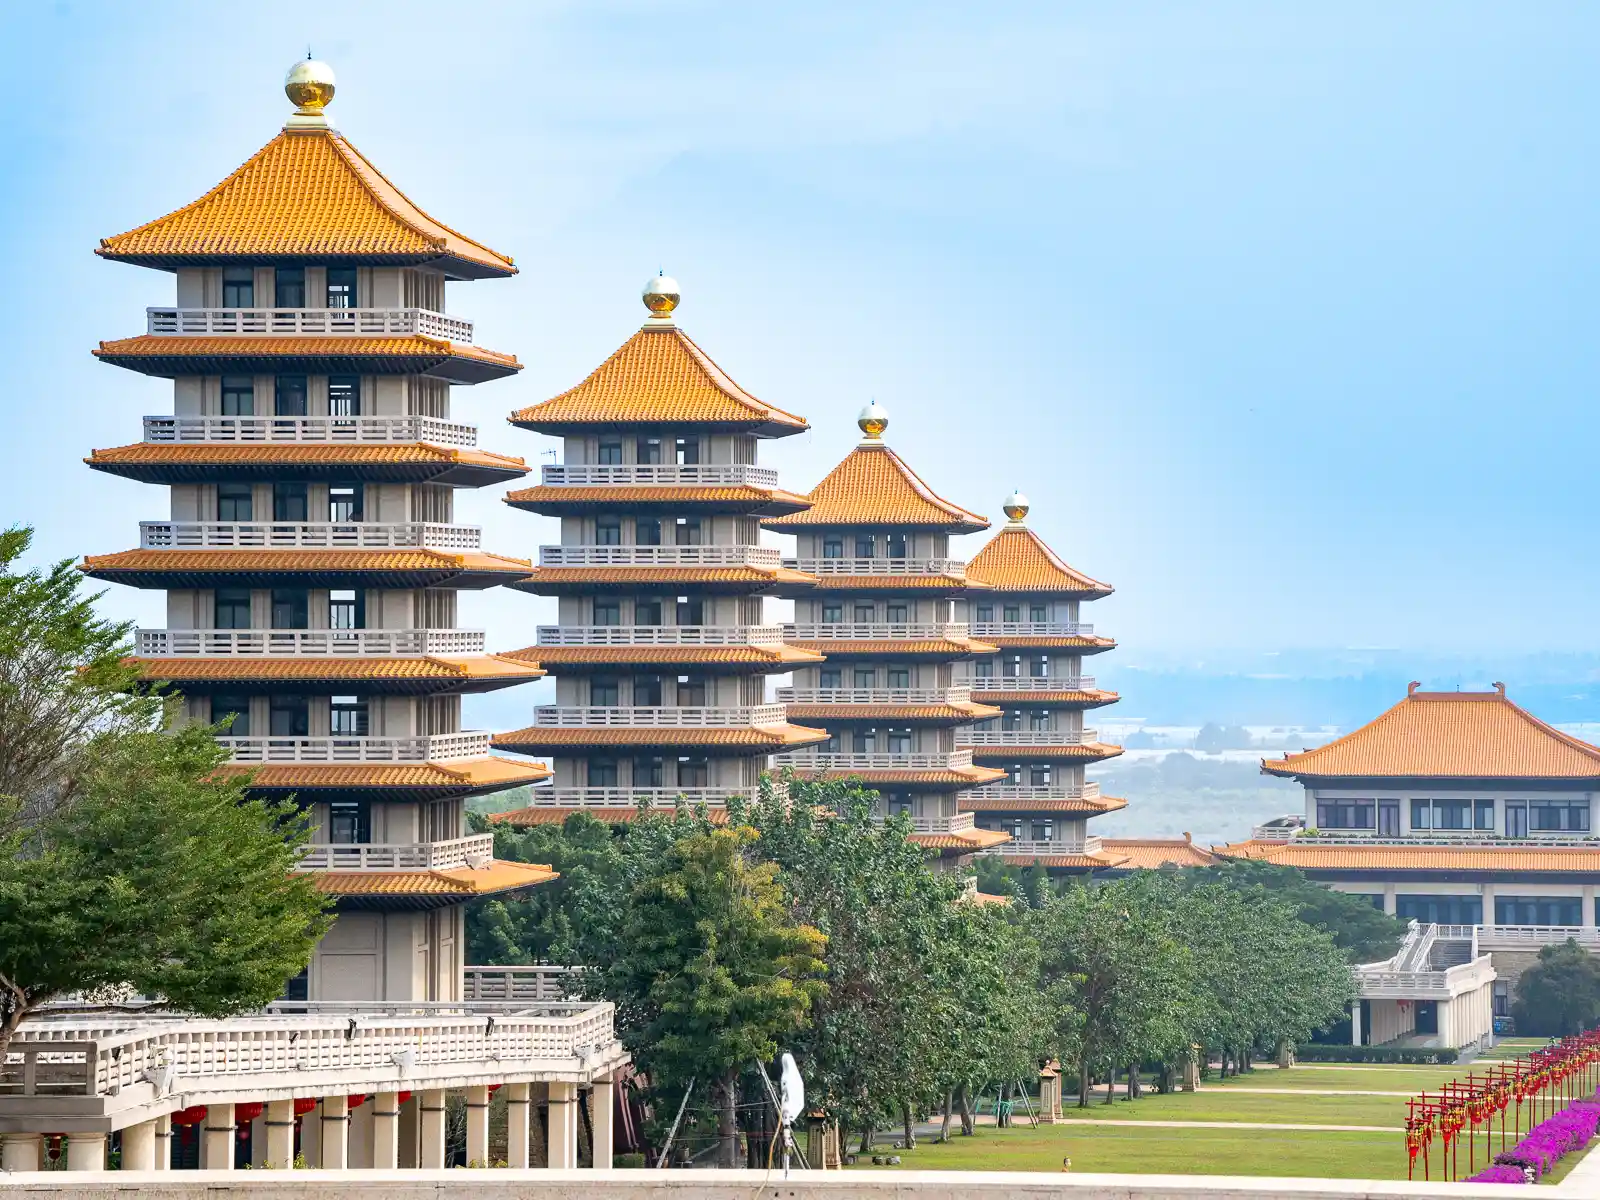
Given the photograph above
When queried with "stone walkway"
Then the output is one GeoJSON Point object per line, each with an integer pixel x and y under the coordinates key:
{"type": "Point", "coordinates": [1584, 1179]}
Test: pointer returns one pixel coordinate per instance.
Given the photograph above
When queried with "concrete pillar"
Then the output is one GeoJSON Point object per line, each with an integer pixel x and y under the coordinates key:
{"type": "Point", "coordinates": [432, 1111]}
{"type": "Point", "coordinates": [86, 1152]}
{"type": "Point", "coordinates": [1388, 898]}
{"type": "Point", "coordinates": [600, 1104]}
{"type": "Point", "coordinates": [1486, 890]}
{"type": "Point", "coordinates": [216, 1138]}
{"type": "Point", "coordinates": [311, 1137]}
{"type": "Point", "coordinates": [163, 1143]}
{"type": "Point", "coordinates": [410, 1133]}
{"type": "Point", "coordinates": [21, 1151]}
{"type": "Point", "coordinates": [335, 1131]}
{"type": "Point", "coordinates": [563, 1139]}
{"type": "Point", "coordinates": [1355, 1022]}
{"type": "Point", "coordinates": [358, 1150]}
{"type": "Point", "coordinates": [279, 1142]}
{"type": "Point", "coordinates": [517, 1126]}
{"type": "Point", "coordinates": [385, 1130]}
{"type": "Point", "coordinates": [1589, 918]}
{"type": "Point", "coordinates": [139, 1147]}
{"type": "Point", "coordinates": [258, 1139]}
{"type": "Point", "coordinates": [477, 1126]}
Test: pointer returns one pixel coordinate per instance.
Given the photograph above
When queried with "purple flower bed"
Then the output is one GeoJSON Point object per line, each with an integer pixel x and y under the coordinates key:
{"type": "Point", "coordinates": [1570, 1129]}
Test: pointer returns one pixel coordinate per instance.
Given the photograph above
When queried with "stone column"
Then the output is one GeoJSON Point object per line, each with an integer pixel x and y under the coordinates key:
{"type": "Point", "coordinates": [1590, 919]}
{"type": "Point", "coordinates": [216, 1138]}
{"type": "Point", "coordinates": [86, 1152]}
{"type": "Point", "coordinates": [386, 1131]}
{"type": "Point", "coordinates": [311, 1137]}
{"type": "Point", "coordinates": [1486, 892]}
{"type": "Point", "coordinates": [139, 1147]}
{"type": "Point", "coordinates": [1355, 1022]}
{"type": "Point", "coordinates": [410, 1132]}
{"type": "Point", "coordinates": [563, 1140]}
{"type": "Point", "coordinates": [600, 1105]}
{"type": "Point", "coordinates": [478, 1126]}
{"type": "Point", "coordinates": [1389, 898]}
{"type": "Point", "coordinates": [1191, 1071]}
{"type": "Point", "coordinates": [163, 1143]}
{"type": "Point", "coordinates": [517, 1126]}
{"type": "Point", "coordinates": [280, 1134]}
{"type": "Point", "coordinates": [335, 1133]}
{"type": "Point", "coordinates": [431, 1105]}
{"type": "Point", "coordinates": [21, 1151]}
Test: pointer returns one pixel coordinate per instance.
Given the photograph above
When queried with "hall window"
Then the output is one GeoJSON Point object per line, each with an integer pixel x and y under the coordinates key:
{"type": "Point", "coordinates": [1039, 667]}
{"type": "Point", "coordinates": [691, 691]}
{"type": "Point", "coordinates": [238, 287]}
{"type": "Point", "coordinates": [289, 396]}
{"type": "Point", "coordinates": [830, 677]}
{"type": "Point", "coordinates": [1039, 718]}
{"type": "Point", "coordinates": [1043, 831]}
{"type": "Point", "coordinates": [1346, 814]}
{"type": "Point", "coordinates": [1560, 911]}
{"type": "Point", "coordinates": [602, 773]}
{"type": "Point", "coordinates": [347, 716]}
{"type": "Point", "coordinates": [646, 612]}
{"type": "Point", "coordinates": [349, 823]}
{"type": "Point", "coordinates": [344, 504]}
{"type": "Point", "coordinates": [647, 451]}
{"type": "Point", "coordinates": [230, 608]}
{"type": "Point", "coordinates": [225, 705]}
{"type": "Point", "coordinates": [1563, 816]}
{"type": "Point", "coordinates": [238, 396]}
{"type": "Point", "coordinates": [832, 547]}
{"type": "Point", "coordinates": [1011, 666]}
{"type": "Point", "coordinates": [289, 502]}
{"type": "Point", "coordinates": [610, 454]}
{"type": "Point", "coordinates": [289, 608]}
{"type": "Point", "coordinates": [647, 532]}
{"type": "Point", "coordinates": [341, 287]}
{"type": "Point", "coordinates": [983, 668]}
{"type": "Point", "coordinates": [900, 677]}
{"type": "Point", "coordinates": [863, 614]}
{"type": "Point", "coordinates": [608, 531]}
{"type": "Point", "coordinates": [647, 772]}
{"type": "Point", "coordinates": [901, 805]}
{"type": "Point", "coordinates": [897, 545]}
{"type": "Point", "coordinates": [897, 614]}
{"type": "Point", "coordinates": [1011, 719]}
{"type": "Point", "coordinates": [1014, 774]}
{"type": "Point", "coordinates": [899, 741]}
{"type": "Point", "coordinates": [347, 609]}
{"type": "Point", "coordinates": [235, 501]}
{"type": "Point", "coordinates": [289, 287]}
{"type": "Point", "coordinates": [289, 716]}
{"type": "Point", "coordinates": [832, 614]}
{"type": "Point", "coordinates": [691, 610]}
{"type": "Point", "coordinates": [693, 772]}
{"type": "Point", "coordinates": [1039, 775]}
{"type": "Point", "coordinates": [607, 611]}
{"type": "Point", "coordinates": [688, 451]}
{"type": "Point", "coordinates": [687, 532]}
{"type": "Point", "coordinates": [864, 741]}
{"type": "Point", "coordinates": [1441, 814]}
{"type": "Point", "coordinates": [866, 545]}
{"type": "Point", "coordinates": [1483, 815]}
{"type": "Point", "coordinates": [1038, 613]}
{"type": "Point", "coordinates": [1013, 613]}
{"type": "Point", "coordinates": [344, 395]}
{"type": "Point", "coordinates": [647, 691]}
{"type": "Point", "coordinates": [1440, 910]}
{"type": "Point", "coordinates": [985, 612]}
{"type": "Point", "coordinates": [865, 677]}
{"type": "Point", "coordinates": [603, 692]}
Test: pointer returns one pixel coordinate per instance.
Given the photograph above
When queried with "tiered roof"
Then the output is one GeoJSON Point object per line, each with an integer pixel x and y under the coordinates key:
{"type": "Point", "coordinates": [1017, 560]}
{"type": "Point", "coordinates": [874, 486]}
{"type": "Point", "coordinates": [416, 675]}
{"type": "Point", "coordinates": [367, 568]}
{"type": "Point", "coordinates": [461, 777]}
{"type": "Point", "coordinates": [399, 462]}
{"type": "Point", "coordinates": [171, 355]}
{"type": "Point", "coordinates": [1090, 806]}
{"type": "Point", "coordinates": [462, 883]}
{"type": "Point", "coordinates": [1379, 858]}
{"type": "Point", "coordinates": [1149, 854]}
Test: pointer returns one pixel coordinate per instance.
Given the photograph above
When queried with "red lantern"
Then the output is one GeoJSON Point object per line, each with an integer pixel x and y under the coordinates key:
{"type": "Point", "coordinates": [304, 1105]}
{"type": "Point", "coordinates": [190, 1116]}
{"type": "Point", "coordinates": [356, 1102]}
{"type": "Point", "coordinates": [244, 1113]}
{"type": "Point", "coordinates": [495, 1087]}
{"type": "Point", "coordinates": [402, 1097]}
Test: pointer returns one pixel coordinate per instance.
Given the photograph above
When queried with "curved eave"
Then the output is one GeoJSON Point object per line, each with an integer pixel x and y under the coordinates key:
{"type": "Point", "coordinates": [1083, 645]}
{"type": "Point", "coordinates": [577, 501]}
{"type": "Point", "coordinates": [801, 523]}
{"type": "Point", "coordinates": [410, 462]}
{"type": "Point", "coordinates": [426, 676]}
{"type": "Point", "coordinates": [170, 356]}
{"type": "Point", "coordinates": [453, 266]}
{"type": "Point", "coordinates": [1098, 861]}
{"type": "Point", "coordinates": [1000, 589]}
{"type": "Point", "coordinates": [923, 714]}
{"type": "Point", "coordinates": [754, 660]}
{"type": "Point", "coordinates": [1314, 779]}
{"type": "Point", "coordinates": [183, 569]}
{"type": "Point", "coordinates": [1066, 804]}
{"type": "Point", "coordinates": [1423, 862]}
{"type": "Point", "coordinates": [941, 779]}
{"type": "Point", "coordinates": [1153, 854]}
{"type": "Point", "coordinates": [574, 428]}
{"type": "Point", "coordinates": [1090, 752]}
{"type": "Point", "coordinates": [942, 648]}
{"type": "Point", "coordinates": [560, 581]}
{"type": "Point", "coordinates": [430, 888]}
{"type": "Point", "coordinates": [393, 782]}
{"type": "Point", "coordinates": [1090, 698]}
{"type": "Point", "coordinates": [966, 841]}
{"type": "Point", "coordinates": [742, 741]}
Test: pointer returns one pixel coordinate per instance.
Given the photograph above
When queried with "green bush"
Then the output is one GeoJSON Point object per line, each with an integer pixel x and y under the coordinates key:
{"type": "Point", "coordinates": [1375, 1054]}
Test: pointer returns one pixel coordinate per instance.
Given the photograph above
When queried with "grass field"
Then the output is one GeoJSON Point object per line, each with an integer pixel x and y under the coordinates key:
{"type": "Point", "coordinates": [1221, 1104]}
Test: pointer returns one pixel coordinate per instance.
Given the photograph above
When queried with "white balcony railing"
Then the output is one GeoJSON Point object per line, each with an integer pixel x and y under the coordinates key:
{"type": "Point", "coordinates": [306, 322]}
{"type": "Point", "coordinates": [660, 635]}
{"type": "Point", "coordinates": [309, 643]}
{"type": "Point", "coordinates": [454, 854]}
{"type": "Point", "coordinates": [923, 631]}
{"type": "Point", "coordinates": [1377, 982]}
{"type": "Point", "coordinates": [1030, 683]}
{"type": "Point", "coordinates": [989, 629]}
{"type": "Point", "coordinates": [1044, 791]}
{"type": "Point", "coordinates": [910, 760]}
{"type": "Point", "coordinates": [440, 747]}
{"type": "Point", "coordinates": [557, 716]}
{"type": "Point", "coordinates": [317, 535]}
{"type": "Point", "coordinates": [878, 566]}
{"type": "Point", "coordinates": [936, 695]}
{"type": "Point", "coordinates": [310, 429]}
{"type": "Point", "coordinates": [1526, 937]}
{"type": "Point", "coordinates": [1026, 737]}
{"type": "Point", "coordinates": [629, 797]}
{"type": "Point", "coordinates": [1089, 844]}
{"type": "Point", "coordinates": [658, 556]}
{"type": "Point", "coordinates": [518, 985]}
{"type": "Point", "coordinates": [955, 823]}
{"type": "Point", "coordinates": [660, 475]}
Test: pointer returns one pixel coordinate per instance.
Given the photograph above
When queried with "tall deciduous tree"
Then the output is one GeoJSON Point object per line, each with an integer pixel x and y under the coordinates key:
{"type": "Point", "coordinates": [1559, 994]}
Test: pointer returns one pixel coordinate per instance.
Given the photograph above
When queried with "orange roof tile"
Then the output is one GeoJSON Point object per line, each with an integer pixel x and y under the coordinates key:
{"type": "Point", "coordinates": [1310, 854]}
{"type": "Point", "coordinates": [426, 350]}
{"type": "Point", "coordinates": [1017, 560]}
{"type": "Point", "coordinates": [470, 774]}
{"type": "Point", "coordinates": [1087, 645]}
{"type": "Point", "coordinates": [166, 564]}
{"type": "Point", "coordinates": [1074, 862]}
{"type": "Point", "coordinates": [311, 453]}
{"type": "Point", "coordinates": [744, 497]}
{"type": "Point", "coordinates": [1448, 735]}
{"type": "Point", "coordinates": [554, 815]}
{"type": "Point", "coordinates": [965, 840]}
{"type": "Point", "coordinates": [660, 735]}
{"type": "Point", "coordinates": [892, 583]}
{"type": "Point", "coordinates": [873, 485]}
{"type": "Point", "coordinates": [498, 876]}
{"type": "Point", "coordinates": [1088, 697]}
{"type": "Point", "coordinates": [1151, 853]}
{"type": "Point", "coordinates": [658, 377]}
{"type": "Point", "coordinates": [463, 669]}
{"type": "Point", "coordinates": [661, 576]}
{"type": "Point", "coordinates": [1091, 751]}
{"type": "Point", "coordinates": [1090, 805]}
{"type": "Point", "coordinates": [985, 898]}
{"type": "Point", "coordinates": [306, 194]}
{"type": "Point", "coordinates": [782, 656]}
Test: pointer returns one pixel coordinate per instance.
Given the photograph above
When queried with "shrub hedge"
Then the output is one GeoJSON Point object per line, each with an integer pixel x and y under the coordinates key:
{"type": "Point", "coordinates": [1375, 1054]}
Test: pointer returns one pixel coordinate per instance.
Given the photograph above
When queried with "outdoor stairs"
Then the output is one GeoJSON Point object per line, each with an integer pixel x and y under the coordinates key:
{"type": "Point", "coordinates": [1449, 952]}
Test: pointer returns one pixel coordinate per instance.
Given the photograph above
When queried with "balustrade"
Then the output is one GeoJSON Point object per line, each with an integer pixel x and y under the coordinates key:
{"type": "Point", "coordinates": [439, 747]}
{"type": "Point", "coordinates": [355, 535]}
{"type": "Point", "coordinates": [472, 851]}
{"type": "Point", "coordinates": [588, 716]}
{"type": "Point", "coordinates": [435, 430]}
{"type": "Point", "coordinates": [306, 322]}
{"type": "Point", "coordinates": [875, 695]}
{"type": "Point", "coordinates": [660, 635]}
{"type": "Point", "coordinates": [658, 556]}
{"type": "Point", "coordinates": [659, 475]}
{"type": "Point", "coordinates": [308, 643]}
{"type": "Point", "coordinates": [878, 566]}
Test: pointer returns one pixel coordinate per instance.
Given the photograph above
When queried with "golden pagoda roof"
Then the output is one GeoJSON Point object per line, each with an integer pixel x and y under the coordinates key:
{"type": "Point", "coordinates": [959, 712]}
{"type": "Point", "coordinates": [306, 194]}
{"type": "Point", "coordinates": [498, 875]}
{"type": "Point", "coordinates": [874, 486]}
{"type": "Point", "coordinates": [551, 814]}
{"type": "Point", "coordinates": [658, 377]}
{"type": "Point", "coordinates": [962, 841]}
{"type": "Point", "coordinates": [1087, 805]}
{"type": "Point", "coordinates": [394, 568]}
{"type": "Point", "coordinates": [560, 500]}
{"type": "Point", "coordinates": [1024, 752]}
{"type": "Point", "coordinates": [1017, 560]}
{"type": "Point", "coordinates": [1448, 735]}
{"type": "Point", "coordinates": [1018, 697]}
{"type": "Point", "coordinates": [1152, 853]}
{"type": "Point", "coordinates": [733, 578]}
{"type": "Point", "coordinates": [950, 777]}
{"type": "Point", "coordinates": [1084, 645]}
{"type": "Point", "coordinates": [465, 776]}
{"type": "Point", "coordinates": [176, 461]}
{"type": "Point", "coordinates": [469, 671]}
{"type": "Point", "coordinates": [169, 355]}
{"type": "Point", "coordinates": [947, 647]}
{"type": "Point", "coordinates": [1312, 854]}
{"type": "Point", "coordinates": [1097, 860]}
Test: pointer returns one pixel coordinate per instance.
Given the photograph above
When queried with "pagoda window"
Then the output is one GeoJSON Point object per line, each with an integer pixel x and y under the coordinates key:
{"type": "Point", "coordinates": [1014, 828]}
{"type": "Point", "coordinates": [1553, 816]}
{"type": "Point", "coordinates": [865, 677]}
{"type": "Point", "coordinates": [289, 502]}
{"type": "Point", "coordinates": [289, 716]}
{"type": "Point", "coordinates": [647, 451]}
{"type": "Point", "coordinates": [647, 772]}
{"type": "Point", "coordinates": [900, 805]}
{"type": "Point", "coordinates": [693, 772]}
{"type": "Point", "coordinates": [646, 612]}
{"type": "Point", "coordinates": [1011, 666]}
{"type": "Point", "coordinates": [647, 691]}
{"type": "Point", "coordinates": [289, 287]}
{"type": "Point", "coordinates": [602, 773]}
{"type": "Point", "coordinates": [341, 289]}
{"type": "Point", "coordinates": [298, 988]}
{"type": "Point", "coordinates": [864, 741]}
{"type": "Point", "coordinates": [687, 451]}
{"type": "Point", "coordinates": [1043, 831]}
{"type": "Point", "coordinates": [831, 677]}
{"type": "Point", "coordinates": [1038, 613]}
{"type": "Point", "coordinates": [1483, 814]}
{"type": "Point", "coordinates": [864, 614]}
{"type": "Point", "coordinates": [646, 532]}
{"type": "Point", "coordinates": [1516, 819]}
{"type": "Point", "coordinates": [1039, 774]}
{"type": "Point", "coordinates": [238, 287]}
{"type": "Point", "coordinates": [691, 611]}
{"type": "Point", "coordinates": [691, 691]}
{"type": "Point", "coordinates": [238, 396]}
{"type": "Point", "coordinates": [1039, 718]}
{"type": "Point", "coordinates": [608, 531]}
{"type": "Point", "coordinates": [603, 692]}
{"type": "Point", "coordinates": [347, 716]}
{"type": "Point", "coordinates": [344, 395]}
{"type": "Point", "coordinates": [1014, 773]}
{"type": "Point", "coordinates": [1441, 814]}
{"type": "Point", "coordinates": [230, 608]}
{"type": "Point", "coordinates": [896, 613]}
{"type": "Point", "coordinates": [610, 453]}
{"type": "Point", "coordinates": [344, 504]}
{"type": "Point", "coordinates": [290, 608]}
{"type": "Point", "coordinates": [899, 677]}
{"type": "Point", "coordinates": [897, 545]}
{"type": "Point", "coordinates": [235, 501]}
{"type": "Point", "coordinates": [834, 744]}
{"type": "Point", "coordinates": [607, 612]}
{"type": "Point", "coordinates": [832, 614]}
{"type": "Point", "coordinates": [832, 547]}
{"type": "Point", "coordinates": [1011, 719]}
{"type": "Point", "coordinates": [289, 396]}
{"type": "Point", "coordinates": [983, 668]}
{"type": "Point", "coordinates": [1345, 814]}
{"type": "Point", "coordinates": [1388, 818]}
{"type": "Point", "coordinates": [866, 545]}
{"type": "Point", "coordinates": [985, 613]}
{"type": "Point", "coordinates": [1560, 911]}
{"type": "Point", "coordinates": [224, 706]}
{"type": "Point", "coordinates": [899, 741]}
{"type": "Point", "coordinates": [688, 531]}
{"type": "Point", "coordinates": [1039, 667]}
{"type": "Point", "coordinates": [349, 823]}
{"type": "Point", "coordinates": [1013, 612]}
{"type": "Point", "coordinates": [347, 609]}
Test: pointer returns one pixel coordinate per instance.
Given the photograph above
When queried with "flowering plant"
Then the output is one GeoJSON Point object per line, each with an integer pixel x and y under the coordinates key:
{"type": "Point", "coordinates": [1570, 1129]}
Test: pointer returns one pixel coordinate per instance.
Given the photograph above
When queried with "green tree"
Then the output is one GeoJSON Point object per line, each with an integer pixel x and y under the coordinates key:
{"type": "Point", "coordinates": [126, 861]}
{"type": "Point", "coordinates": [716, 967]}
{"type": "Point", "coordinates": [1559, 994]}
{"type": "Point", "coordinates": [1364, 932]}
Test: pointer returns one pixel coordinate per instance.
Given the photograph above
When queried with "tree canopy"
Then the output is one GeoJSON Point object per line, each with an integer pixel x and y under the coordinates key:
{"type": "Point", "coordinates": [1559, 994]}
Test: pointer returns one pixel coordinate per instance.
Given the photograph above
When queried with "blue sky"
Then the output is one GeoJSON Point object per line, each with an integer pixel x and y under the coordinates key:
{"type": "Point", "coordinates": [1282, 313]}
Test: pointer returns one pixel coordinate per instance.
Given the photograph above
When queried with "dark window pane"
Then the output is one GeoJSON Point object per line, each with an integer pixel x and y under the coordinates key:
{"type": "Point", "coordinates": [349, 823]}
{"type": "Point", "coordinates": [344, 395]}
{"type": "Point", "coordinates": [291, 287]}
{"type": "Point", "coordinates": [237, 707]}
{"type": "Point", "coordinates": [238, 287]}
{"type": "Point", "coordinates": [289, 396]}
{"type": "Point", "coordinates": [235, 502]}
{"type": "Point", "coordinates": [231, 609]}
{"type": "Point", "coordinates": [610, 454]}
{"type": "Point", "coordinates": [238, 396]}
{"type": "Point", "coordinates": [289, 502]}
{"type": "Point", "coordinates": [290, 607]}
{"type": "Point", "coordinates": [341, 287]}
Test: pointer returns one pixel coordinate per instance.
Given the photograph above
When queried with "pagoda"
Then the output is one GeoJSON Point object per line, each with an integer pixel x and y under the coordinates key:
{"type": "Point", "coordinates": [660, 649]}
{"type": "Point", "coordinates": [311, 558]}
{"type": "Point", "coordinates": [876, 541]}
{"type": "Point", "coordinates": [1024, 599]}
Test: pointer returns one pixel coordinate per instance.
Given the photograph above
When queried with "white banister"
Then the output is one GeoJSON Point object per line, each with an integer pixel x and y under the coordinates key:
{"type": "Point", "coordinates": [576, 716]}
{"type": "Point", "coordinates": [375, 429]}
{"type": "Point", "coordinates": [475, 850]}
{"type": "Point", "coordinates": [875, 631]}
{"type": "Point", "coordinates": [1089, 844]}
{"type": "Point", "coordinates": [1026, 737]}
{"type": "Point", "coordinates": [1043, 791]}
{"type": "Point", "coordinates": [659, 475]}
{"type": "Point", "coordinates": [875, 695]}
{"type": "Point", "coordinates": [658, 556]}
{"type": "Point", "coordinates": [629, 797]}
{"type": "Point", "coordinates": [878, 566]}
{"type": "Point", "coordinates": [935, 760]}
{"type": "Point", "coordinates": [309, 643]}
{"type": "Point", "coordinates": [306, 322]}
{"type": "Point", "coordinates": [1031, 629]}
{"type": "Point", "coordinates": [1030, 683]}
{"type": "Point", "coordinates": [355, 535]}
{"type": "Point", "coordinates": [660, 635]}
{"type": "Point", "coordinates": [439, 747]}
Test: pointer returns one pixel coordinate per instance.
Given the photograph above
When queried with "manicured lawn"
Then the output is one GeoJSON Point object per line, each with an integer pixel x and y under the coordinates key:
{"type": "Point", "coordinates": [1220, 1104]}
{"type": "Point", "coordinates": [1318, 1077]}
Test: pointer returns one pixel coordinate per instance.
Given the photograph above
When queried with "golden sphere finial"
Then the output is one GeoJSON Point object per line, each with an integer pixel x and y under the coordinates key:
{"type": "Point", "coordinates": [872, 421]}
{"type": "Point", "coordinates": [1015, 507]}
{"type": "Point", "coordinates": [661, 295]}
{"type": "Point", "coordinates": [309, 85]}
